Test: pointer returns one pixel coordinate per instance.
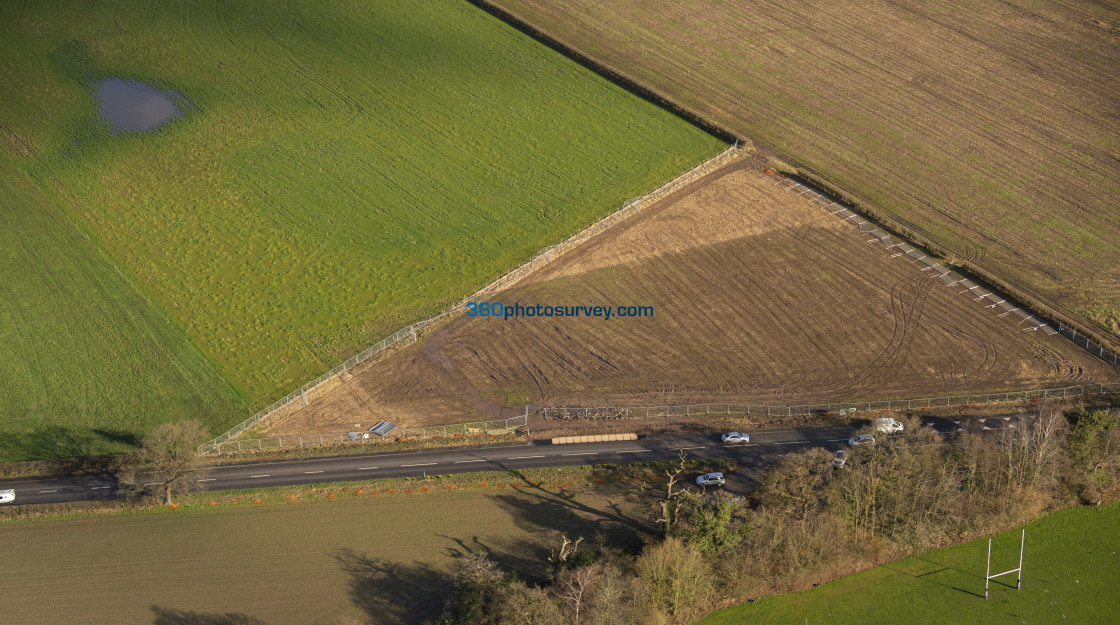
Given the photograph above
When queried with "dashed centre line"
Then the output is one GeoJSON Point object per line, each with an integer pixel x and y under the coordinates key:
{"type": "Point", "coordinates": [462, 461]}
{"type": "Point", "coordinates": [258, 476]}
{"type": "Point", "coordinates": [522, 457]}
{"type": "Point", "coordinates": [48, 491]}
{"type": "Point", "coordinates": [634, 451]}
{"type": "Point", "coordinates": [422, 464]}
{"type": "Point", "coordinates": [582, 453]}
{"type": "Point", "coordinates": [310, 472]}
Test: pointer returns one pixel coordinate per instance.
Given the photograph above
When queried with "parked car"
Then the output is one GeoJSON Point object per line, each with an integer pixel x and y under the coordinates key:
{"type": "Point", "coordinates": [7, 496]}
{"type": "Point", "coordinates": [887, 425]}
{"type": "Point", "coordinates": [710, 479]}
{"type": "Point", "coordinates": [840, 459]}
{"type": "Point", "coordinates": [862, 439]}
{"type": "Point", "coordinates": [736, 438]}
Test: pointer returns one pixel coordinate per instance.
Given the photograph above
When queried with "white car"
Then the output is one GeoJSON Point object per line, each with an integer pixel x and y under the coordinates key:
{"type": "Point", "coordinates": [840, 459]}
{"type": "Point", "coordinates": [7, 496]}
{"type": "Point", "coordinates": [886, 425]}
{"type": "Point", "coordinates": [862, 439]}
{"type": "Point", "coordinates": [710, 479]}
{"type": "Point", "coordinates": [736, 438]}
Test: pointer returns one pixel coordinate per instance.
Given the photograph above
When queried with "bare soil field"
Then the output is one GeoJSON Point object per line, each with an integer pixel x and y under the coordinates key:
{"type": "Point", "coordinates": [758, 294]}
{"type": "Point", "coordinates": [987, 127]}
{"type": "Point", "coordinates": [378, 558]}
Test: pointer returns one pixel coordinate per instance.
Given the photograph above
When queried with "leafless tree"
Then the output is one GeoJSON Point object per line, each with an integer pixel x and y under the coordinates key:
{"type": "Point", "coordinates": [167, 457]}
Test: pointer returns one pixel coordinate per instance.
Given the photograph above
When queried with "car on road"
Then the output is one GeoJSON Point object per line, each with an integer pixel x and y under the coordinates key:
{"type": "Point", "coordinates": [710, 479]}
{"type": "Point", "coordinates": [7, 496]}
{"type": "Point", "coordinates": [736, 438]}
{"type": "Point", "coordinates": [886, 425]}
{"type": "Point", "coordinates": [862, 439]}
{"type": "Point", "coordinates": [840, 459]}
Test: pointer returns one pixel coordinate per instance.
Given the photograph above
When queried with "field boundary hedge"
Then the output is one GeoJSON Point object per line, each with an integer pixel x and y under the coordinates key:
{"type": "Point", "coordinates": [299, 398]}
{"type": "Point", "coordinates": [802, 410]}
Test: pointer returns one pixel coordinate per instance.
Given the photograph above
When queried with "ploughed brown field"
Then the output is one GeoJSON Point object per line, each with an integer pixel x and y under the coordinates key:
{"type": "Point", "coordinates": [758, 294]}
{"type": "Point", "coordinates": [990, 127]}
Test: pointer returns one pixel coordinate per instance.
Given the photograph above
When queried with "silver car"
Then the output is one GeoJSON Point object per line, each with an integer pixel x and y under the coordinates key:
{"type": "Point", "coordinates": [710, 479]}
{"type": "Point", "coordinates": [840, 459]}
{"type": "Point", "coordinates": [862, 439]}
{"type": "Point", "coordinates": [736, 438]}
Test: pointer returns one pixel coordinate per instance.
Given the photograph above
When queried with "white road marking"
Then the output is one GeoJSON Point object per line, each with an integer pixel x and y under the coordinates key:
{"type": "Point", "coordinates": [794, 443]}
{"type": "Point", "coordinates": [582, 453]}
{"type": "Point", "coordinates": [686, 448]}
{"type": "Point", "coordinates": [48, 491]}
{"type": "Point", "coordinates": [462, 461]}
{"type": "Point", "coordinates": [366, 468]}
{"type": "Point", "coordinates": [422, 464]}
{"type": "Point", "coordinates": [522, 457]}
{"type": "Point", "coordinates": [97, 487]}
{"type": "Point", "coordinates": [633, 451]}
{"type": "Point", "coordinates": [154, 484]}
{"type": "Point", "coordinates": [209, 479]}
{"type": "Point", "coordinates": [310, 472]}
{"type": "Point", "coordinates": [258, 476]}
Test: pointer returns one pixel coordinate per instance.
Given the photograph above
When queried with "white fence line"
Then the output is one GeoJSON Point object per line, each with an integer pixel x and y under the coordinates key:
{"type": "Point", "coordinates": [707, 409]}
{"type": "Point", "coordinates": [497, 427]}
{"type": "Point", "coordinates": [547, 255]}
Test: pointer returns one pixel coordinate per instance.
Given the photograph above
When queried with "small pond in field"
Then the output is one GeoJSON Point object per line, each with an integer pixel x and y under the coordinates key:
{"type": "Point", "coordinates": [134, 106]}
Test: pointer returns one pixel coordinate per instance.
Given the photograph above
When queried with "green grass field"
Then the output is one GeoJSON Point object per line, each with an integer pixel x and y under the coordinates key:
{"type": "Point", "coordinates": [345, 168]}
{"type": "Point", "coordinates": [1071, 565]}
{"type": "Point", "coordinates": [85, 361]}
{"type": "Point", "coordinates": [353, 560]}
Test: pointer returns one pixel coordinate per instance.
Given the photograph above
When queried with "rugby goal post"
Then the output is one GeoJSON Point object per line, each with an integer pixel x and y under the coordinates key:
{"type": "Point", "coordinates": [988, 577]}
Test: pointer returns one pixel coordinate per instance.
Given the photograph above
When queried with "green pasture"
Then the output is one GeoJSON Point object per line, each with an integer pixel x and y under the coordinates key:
{"type": "Point", "coordinates": [86, 363]}
{"type": "Point", "coordinates": [344, 169]}
{"type": "Point", "coordinates": [1070, 568]}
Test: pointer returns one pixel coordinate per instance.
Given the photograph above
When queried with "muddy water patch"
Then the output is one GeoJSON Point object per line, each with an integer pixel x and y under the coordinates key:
{"type": "Point", "coordinates": [130, 105]}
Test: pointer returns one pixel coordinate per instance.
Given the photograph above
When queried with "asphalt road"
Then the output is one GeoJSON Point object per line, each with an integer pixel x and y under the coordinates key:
{"type": "Point", "coordinates": [765, 448]}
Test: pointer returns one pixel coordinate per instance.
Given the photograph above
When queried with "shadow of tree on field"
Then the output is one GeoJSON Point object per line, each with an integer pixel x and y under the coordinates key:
{"type": "Point", "coordinates": [534, 509]}
{"type": "Point", "coordinates": [83, 448]}
{"type": "Point", "coordinates": [119, 436]}
{"type": "Point", "coordinates": [392, 592]}
{"type": "Point", "coordinates": [167, 616]}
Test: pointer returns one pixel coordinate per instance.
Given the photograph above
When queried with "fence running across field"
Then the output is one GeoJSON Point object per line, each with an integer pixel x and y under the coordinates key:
{"type": "Point", "coordinates": [1089, 345]}
{"type": "Point", "coordinates": [946, 401]}
{"type": "Point", "coordinates": [1003, 307]}
{"type": "Point", "coordinates": [497, 428]}
{"type": "Point", "coordinates": [545, 256]}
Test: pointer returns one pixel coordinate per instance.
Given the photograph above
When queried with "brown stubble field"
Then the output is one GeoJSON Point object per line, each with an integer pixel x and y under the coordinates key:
{"type": "Point", "coordinates": [758, 295]}
{"type": "Point", "coordinates": [990, 128]}
{"type": "Point", "coordinates": [379, 558]}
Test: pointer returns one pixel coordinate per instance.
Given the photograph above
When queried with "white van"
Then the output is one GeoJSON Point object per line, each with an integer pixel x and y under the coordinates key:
{"type": "Point", "coordinates": [7, 496]}
{"type": "Point", "coordinates": [887, 425]}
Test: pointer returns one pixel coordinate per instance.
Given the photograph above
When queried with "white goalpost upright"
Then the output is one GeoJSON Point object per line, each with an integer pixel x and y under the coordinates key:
{"type": "Point", "coordinates": [988, 577]}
